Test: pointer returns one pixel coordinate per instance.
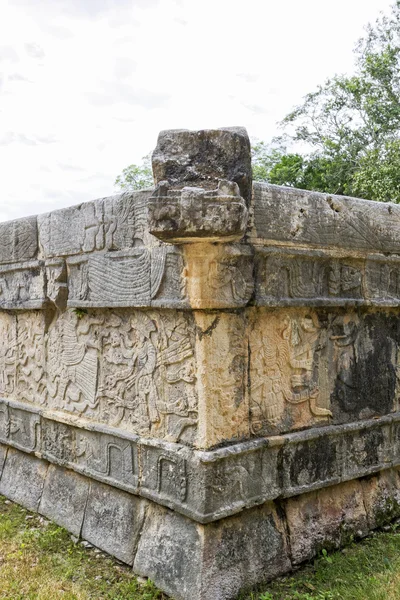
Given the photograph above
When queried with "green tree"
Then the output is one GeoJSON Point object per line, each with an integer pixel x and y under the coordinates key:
{"type": "Point", "coordinates": [351, 124]}
{"type": "Point", "coordinates": [136, 177]}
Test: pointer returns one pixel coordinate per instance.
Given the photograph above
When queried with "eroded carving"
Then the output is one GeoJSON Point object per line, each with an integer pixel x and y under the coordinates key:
{"type": "Point", "coordinates": [30, 363]}
{"type": "Point", "coordinates": [148, 375]}
{"type": "Point", "coordinates": [73, 363]}
{"type": "Point", "coordinates": [8, 353]}
{"type": "Point", "coordinates": [283, 371]}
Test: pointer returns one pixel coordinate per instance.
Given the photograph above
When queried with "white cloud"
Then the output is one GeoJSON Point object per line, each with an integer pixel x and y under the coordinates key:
{"type": "Point", "coordinates": [85, 85]}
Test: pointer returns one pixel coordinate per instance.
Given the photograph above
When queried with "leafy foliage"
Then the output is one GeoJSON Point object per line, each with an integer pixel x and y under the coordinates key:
{"type": "Point", "coordinates": [350, 126]}
{"type": "Point", "coordinates": [136, 177]}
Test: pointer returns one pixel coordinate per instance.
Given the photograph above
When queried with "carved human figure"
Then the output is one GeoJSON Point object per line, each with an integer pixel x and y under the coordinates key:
{"type": "Point", "coordinates": [31, 379]}
{"type": "Point", "coordinates": [177, 404]}
{"type": "Point", "coordinates": [132, 389]}
{"type": "Point", "coordinates": [73, 360]}
{"type": "Point", "coordinates": [8, 354]}
{"type": "Point", "coordinates": [344, 333]}
{"type": "Point", "coordinates": [282, 370]}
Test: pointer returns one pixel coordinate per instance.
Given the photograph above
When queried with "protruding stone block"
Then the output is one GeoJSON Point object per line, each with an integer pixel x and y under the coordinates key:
{"type": "Point", "coordinates": [193, 214]}
{"type": "Point", "coordinates": [202, 158]}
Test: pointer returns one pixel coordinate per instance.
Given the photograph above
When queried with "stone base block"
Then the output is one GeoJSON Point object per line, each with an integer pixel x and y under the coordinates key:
{"type": "Point", "coordinates": [194, 561]}
{"type": "Point", "coordinates": [64, 498]}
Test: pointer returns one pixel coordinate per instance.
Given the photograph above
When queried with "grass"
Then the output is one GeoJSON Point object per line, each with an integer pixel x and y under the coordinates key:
{"type": "Point", "coordinates": [40, 561]}
{"type": "Point", "coordinates": [368, 570]}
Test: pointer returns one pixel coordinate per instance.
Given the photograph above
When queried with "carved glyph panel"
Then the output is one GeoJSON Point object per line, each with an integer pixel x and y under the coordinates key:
{"type": "Point", "coordinates": [133, 370]}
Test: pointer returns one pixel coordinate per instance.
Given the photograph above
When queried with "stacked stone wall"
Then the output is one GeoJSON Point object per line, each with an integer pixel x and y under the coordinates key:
{"type": "Point", "coordinates": [203, 380]}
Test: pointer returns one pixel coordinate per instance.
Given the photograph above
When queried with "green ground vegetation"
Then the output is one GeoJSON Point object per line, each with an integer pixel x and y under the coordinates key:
{"type": "Point", "coordinates": [41, 561]}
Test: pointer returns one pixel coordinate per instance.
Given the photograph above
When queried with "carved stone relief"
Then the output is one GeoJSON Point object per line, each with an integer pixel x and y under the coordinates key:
{"type": "Point", "coordinates": [18, 240]}
{"type": "Point", "coordinates": [113, 223]}
{"type": "Point", "coordinates": [284, 387]}
{"type": "Point", "coordinates": [30, 358]}
{"type": "Point", "coordinates": [8, 353]}
{"type": "Point", "coordinates": [123, 278]}
{"type": "Point", "coordinates": [312, 367]}
{"type": "Point", "coordinates": [298, 278]}
{"type": "Point", "coordinates": [148, 375]}
{"type": "Point", "coordinates": [131, 370]}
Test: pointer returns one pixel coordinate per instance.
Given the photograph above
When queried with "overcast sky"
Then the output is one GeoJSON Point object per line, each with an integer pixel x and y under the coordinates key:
{"type": "Point", "coordinates": [86, 85]}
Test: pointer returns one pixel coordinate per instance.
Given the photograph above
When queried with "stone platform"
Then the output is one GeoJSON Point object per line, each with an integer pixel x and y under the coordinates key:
{"type": "Point", "coordinates": [202, 378]}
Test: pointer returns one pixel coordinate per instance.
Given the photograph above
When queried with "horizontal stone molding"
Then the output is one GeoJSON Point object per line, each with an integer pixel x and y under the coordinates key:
{"type": "Point", "coordinates": [300, 218]}
{"type": "Point", "coordinates": [205, 485]}
{"type": "Point", "coordinates": [295, 277]}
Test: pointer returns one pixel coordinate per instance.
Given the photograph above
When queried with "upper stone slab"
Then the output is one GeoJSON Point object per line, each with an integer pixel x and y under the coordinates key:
{"type": "Point", "coordinates": [202, 158]}
{"type": "Point", "coordinates": [300, 218]}
{"type": "Point", "coordinates": [18, 240]}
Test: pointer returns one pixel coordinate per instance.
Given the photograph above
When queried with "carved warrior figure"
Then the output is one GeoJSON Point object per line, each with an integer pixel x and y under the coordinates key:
{"type": "Point", "coordinates": [8, 354]}
{"type": "Point", "coordinates": [31, 378]}
{"type": "Point", "coordinates": [282, 370]}
{"type": "Point", "coordinates": [148, 378]}
{"type": "Point", "coordinates": [73, 363]}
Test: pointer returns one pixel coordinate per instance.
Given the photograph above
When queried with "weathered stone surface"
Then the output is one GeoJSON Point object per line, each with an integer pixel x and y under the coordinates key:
{"type": "Point", "coordinates": [19, 240]}
{"type": "Point", "coordinates": [23, 478]}
{"type": "Point", "coordinates": [114, 223]}
{"type": "Point", "coordinates": [3, 454]}
{"type": "Point", "coordinates": [168, 538]}
{"type": "Point", "coordinates": [210, 392]}
{"type": "Point", "coordinates": [311, 367]}
{"type": "Point", "coordinates": [214, 561]}
{"type": "Point", "coordinates": [381, 494]}
{"type": "Point", "coordinates": [218, 275]}
{"type": "Point", "coordinates": [221, 354]}
{"type": "Point", "coordinates": [132, 370]}
{"type": "Point", "coordinates": [193, 214]}
{"type": "Point", "coordinates": [113, 521]}
{"type": "Point", "coordinates": [64, 498]}
{"type": "Point", "coordinates": [242, 551]}
{"type": "Point", "coordinates": [22, 286]}
{"type": "Point", "coordinates": [292, 277]}
{"type": "Point", "coordinates": [201, 158]}
{"type": "Point", "coordinates": [325, 519]}
{"type": "Point", "coordinates": [297, 217]}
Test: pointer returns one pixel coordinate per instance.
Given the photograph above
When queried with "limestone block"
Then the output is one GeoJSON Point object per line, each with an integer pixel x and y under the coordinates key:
{"type": "Point", "coordinates": [201, 158]}
{"type": "Point", "coordinates": [19, 240]}
{"type": "Point", "coordinates": [381, 494]}
{"type": "Point", "coordinates": [193, 214]}
{"type": "Point", "coordinates": [221, 359]}
{"type": "Point", "coordinates": [328, 519]}
{"type": "Point", "coordinates": [22, 286]}
{"type": "Point", "coordinates": [213, 561]}
{"type": "Point", "coordinates": [310, 367]}
{"type": "Point", "coordinates": [56, 282]}
{"type": "Point", "coordinates": [126, 278]}
{"type": "Point", "coordinates": [113, 521]}
{"type": "Point", "coordinates": [64, 498]}
{"type": "Point", "coordinates": [218, 275]}
{"type": "Point", "coordinates": [114, 223]}
{"type": "Point", "coordinates": [297, 217]}
{"type": "Point", "coordinates": [23, 478]}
